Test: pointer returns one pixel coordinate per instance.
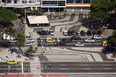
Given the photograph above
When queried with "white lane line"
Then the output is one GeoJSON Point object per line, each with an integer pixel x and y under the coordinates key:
{"type": "Point", "coordinates": [22, 68]}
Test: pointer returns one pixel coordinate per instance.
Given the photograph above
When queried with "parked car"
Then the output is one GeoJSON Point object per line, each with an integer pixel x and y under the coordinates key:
{"type": "Point", "coordinates": [12, 41]}
{"type": "Point", "coordinates": [88, 33]}
{"type": "Point", "coordinates": [24, 21]}
{"type": "Point", "coordinates": [28, 43]}
{"type": "Point", "coordinates": [43, 37]}
{"type": "Point", "coordinates": [73, 32]}
{"type": "Point", "coordinates": [7, 37]}
{"type": "Point", "coordinates": [69, 33]}
{"type": "Point", "coordinates": [40, 33]}
{"type": "Point", "coordinates": [99, 32]}
{"type": "Point", "coordinates": [30, 40]}
{"type": "Point", "coordinates": [98, 37]}
{"type": "Point", "coordinates": [65, 33]}
{"type": "Point", "coordinates": [11, 61]}
{"type": "Point", "coordinates": [89, 40]}
{"type": "Point", "coordinates": [75, 38]}
{"type": "Point", "coordinates": [61, 43]}
{"type": "Point", "coordinates": [78, 33]}
{"type": "Point", "coordinates": [44, 43]}
{"type": "Point", "coordinates": [50, 40]}
{"type": "Point", "coordinates": [51, 32]}
{"type": "Point", "coordinates": [94, 33]}
{"type": "Point", "coordinates": [79, 44]}
{"type": "Point", "coordinates": [66, 40]}
{"type": "Point", "coordinates": [45, 32]}
{"type": "Point", "coordinates": [82, 33]}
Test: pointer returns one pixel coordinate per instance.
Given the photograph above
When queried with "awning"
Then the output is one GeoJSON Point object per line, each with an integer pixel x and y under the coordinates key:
{"type": "Point", "coordinates": [38, 19]}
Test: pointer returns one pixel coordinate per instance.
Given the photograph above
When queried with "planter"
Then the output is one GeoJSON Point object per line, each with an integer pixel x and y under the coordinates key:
{"type": "Point", "coordinates": [31, 58]}
{"type": "Point", "coordinates": [18, 56]}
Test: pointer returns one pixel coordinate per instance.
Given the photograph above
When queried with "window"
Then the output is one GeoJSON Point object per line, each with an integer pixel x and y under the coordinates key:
{"type": "Point", "coordinates": [78, 1]}
{"type": "Point", "coordinates": [61, 3]}
{"type": "Point", "coordinates": [86, 1]}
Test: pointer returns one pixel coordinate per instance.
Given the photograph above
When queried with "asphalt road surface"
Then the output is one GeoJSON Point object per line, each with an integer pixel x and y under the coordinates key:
{"type": "Point", "coordinates": [78, 67]}
{"type": "Point", "coordinates": [14, 68]}
{"type": "Point", "coordinates": [97, 43]}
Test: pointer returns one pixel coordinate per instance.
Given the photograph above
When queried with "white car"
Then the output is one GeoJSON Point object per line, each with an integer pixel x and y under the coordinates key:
{"type": "Point", "coordinates": [28, 43]}
{"type": "Point", "coordinates": [51, 32]}
{"type": "Point", "coordinates": [79, 44]}
{"type": "Point", "coordinates": [12, 41]}
{"type": "Point", "coordinates": [65, 33]}
{"type": "Point", "coordinates": [30, 40]}
{"type": "Point", "coordinates": [97, 37]}
{"type": "Point", "coordinates": [89, 40]}
{"type": "Point", "coordinates": [7, 37]}
{"type": "Point", "coordinates": [24, 21]}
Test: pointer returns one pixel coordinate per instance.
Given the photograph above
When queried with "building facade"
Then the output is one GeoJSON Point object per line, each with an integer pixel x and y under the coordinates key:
{"type": "Point", "coordinates": [49, 5]}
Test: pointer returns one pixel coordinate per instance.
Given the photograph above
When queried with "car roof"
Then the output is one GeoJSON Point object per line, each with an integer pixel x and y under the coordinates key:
{"type": "Point", "coordinates": [49, 38]}
{"type": "Point", "coordinates": [10, 60]}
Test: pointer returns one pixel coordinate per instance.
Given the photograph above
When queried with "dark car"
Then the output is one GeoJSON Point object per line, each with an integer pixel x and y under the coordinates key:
{"type": "Point", "coordinates": [66, 40]}
{"type": "Point", "coordinates": [69, 33]}
{"type": "Point", "coordinates": [94, 33]}
{"type": "Point", "coordinates": [89, 33]}
{"type": "Point", "coordinates": [73, 32]}
{"type": "Point", "coordinates": [44, 44]}
{"type": "Point", "coordinates": [40, 32]}
{"type": "Point", "coordinates": [99, 32]}
{"type": "Point", "coordinates": [45, 32]}
{"type": "Point", "coordinates": [61, 43]}
{"type": "Point", "coordinates": [82, 33]}
{"type": "Point", "coordinates": [75, 38]}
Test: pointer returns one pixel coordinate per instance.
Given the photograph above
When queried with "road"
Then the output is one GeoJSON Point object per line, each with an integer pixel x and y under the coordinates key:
{"type": "Point", "coordinates": [97, 43]}
{"type": "Point", "coordinates": [78, 67]}
{"type": "Point", "coordinates": [14, 68]}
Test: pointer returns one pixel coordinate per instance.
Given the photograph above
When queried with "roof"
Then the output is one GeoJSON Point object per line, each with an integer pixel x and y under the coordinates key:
{"type": "Point", "coordinates": [38, 19]}
{"type": "Point", "coordinates": [7, 37]}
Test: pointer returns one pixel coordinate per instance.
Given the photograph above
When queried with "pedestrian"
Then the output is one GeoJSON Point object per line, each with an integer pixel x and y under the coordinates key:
{"type": "Point", "coordinates": [27, 70]}
{"type": "Point", "coordinates": [49, 65]}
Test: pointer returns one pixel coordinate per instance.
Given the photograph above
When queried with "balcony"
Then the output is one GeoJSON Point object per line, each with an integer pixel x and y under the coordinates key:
{"type": "Point", "coordinates": [78, 5]}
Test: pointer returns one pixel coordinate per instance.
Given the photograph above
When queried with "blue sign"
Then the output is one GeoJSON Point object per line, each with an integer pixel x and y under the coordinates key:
{"type": "Point", "coordinates": [50, 5]}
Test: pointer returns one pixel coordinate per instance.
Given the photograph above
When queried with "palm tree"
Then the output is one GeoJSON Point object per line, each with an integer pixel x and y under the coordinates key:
{"type": "Point", "coordinates": [30, 50]}
{"type": "Point", "coordinates": [20, 38]}
{"type": "Point", "coordinates": [10, 31]}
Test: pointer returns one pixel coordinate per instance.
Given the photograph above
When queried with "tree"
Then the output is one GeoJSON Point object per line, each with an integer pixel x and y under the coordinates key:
{"type": "Point", "coordinates": [22, 12]}
{"type": "Point", "coordinates": [30, 50]}
{"type": "Point", "coordinates": [20, 38]}
{"type": "Point", "coordinates": [114, 5]}
{"type": "Point", "coordinates": [39, 11]}
{"type": "Point", "coordinates": [10, 31]}
{"type": "Point", "coordinates": [6, 16]}
{"type": "Point", "coordinates": [112, 38]}
{"type": "Point", "coordinates": [99, 9]}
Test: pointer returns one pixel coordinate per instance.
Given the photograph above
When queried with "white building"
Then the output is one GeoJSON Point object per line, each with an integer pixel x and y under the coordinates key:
{"type": "Point", "coordinates": [49, 5]}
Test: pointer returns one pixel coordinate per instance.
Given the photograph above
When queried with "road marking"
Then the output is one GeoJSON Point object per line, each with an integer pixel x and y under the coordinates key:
{"type": "Point", "coordinates": [106, 65]}
{"type": "Point", "coordinates": [22, 68]}
{"type": "Point", "coordinates": [86, 68]}
{"type": "Point", "coordinates": [107, 68]}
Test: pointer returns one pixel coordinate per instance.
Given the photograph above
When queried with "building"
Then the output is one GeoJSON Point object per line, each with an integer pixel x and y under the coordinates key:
{"type": "Point", "coordinates": [49, 5]}
{"type": "Point", "coordinates": [78, 5]}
